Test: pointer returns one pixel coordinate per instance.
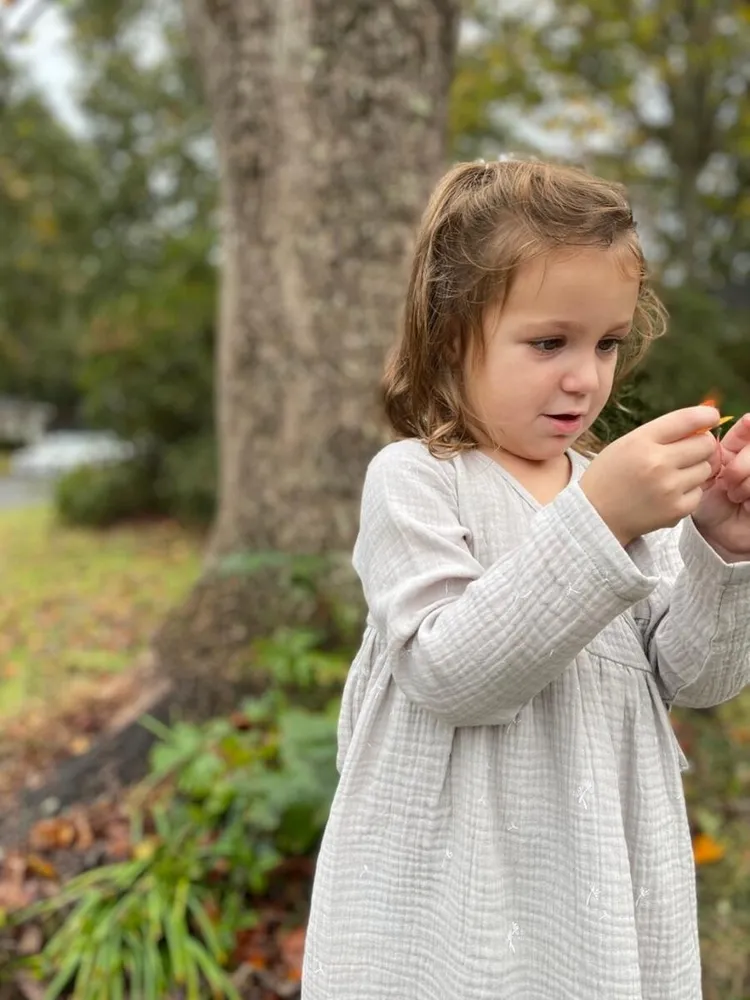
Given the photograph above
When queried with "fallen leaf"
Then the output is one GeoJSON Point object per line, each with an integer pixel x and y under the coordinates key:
{"type": "Point", "coordinates": [706, 850]}
{"type": "Point", "coordinates": [15, 891]}
{"type": "Point", "coordinates": [52, 834]}
{"type": "Point", "coordinates": [31, 940]}
{"type": "Point", "coordinates": [79, 745]}
{"type": "Point", "coordinates": [84, 832]}
{"type": "Point", "coordinates": [292, 948]}
{"type": "Point", "coordinates": [38, 866]}
{"type": "Point", "coordinates": [240, 721]}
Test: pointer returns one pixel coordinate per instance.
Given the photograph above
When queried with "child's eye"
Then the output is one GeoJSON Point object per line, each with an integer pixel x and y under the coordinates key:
{"type": "Point", "coordinates": [548, 345]}
{"type": "Point", "coordinates": [609, 345]}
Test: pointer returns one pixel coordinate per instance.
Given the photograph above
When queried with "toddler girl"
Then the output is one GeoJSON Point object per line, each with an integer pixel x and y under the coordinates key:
{"type": "Point", "coordinates": [510, 821]}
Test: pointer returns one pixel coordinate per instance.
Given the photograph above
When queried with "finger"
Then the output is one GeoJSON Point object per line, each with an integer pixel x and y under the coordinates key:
{"type": "Point", "coordinates": [736, 467]}
{"type": "Point", "coordinates": [693, 499]}
{"type": "Point", "coordinates": [739, 493]}
{"type": "Point", "coordinates": [679, 424]}
{"type": "Point", "coordinates": [737, 437]}
{"type": "Point", "coordinates": [694, 449]}
{"type": "Point", "coordinates": [696, 477]}
{"type": "Point", "coordinates": [716, 460]}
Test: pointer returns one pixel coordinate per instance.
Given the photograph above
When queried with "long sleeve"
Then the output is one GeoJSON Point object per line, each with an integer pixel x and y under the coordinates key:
{"type": "Point", "coordinates": [469, 644]}
{"type": "Point", "coordinates": [698, 630]}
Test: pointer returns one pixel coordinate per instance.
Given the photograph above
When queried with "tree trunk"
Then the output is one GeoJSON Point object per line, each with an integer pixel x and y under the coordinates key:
{"type": "Point", "coordinates": [330, 119]}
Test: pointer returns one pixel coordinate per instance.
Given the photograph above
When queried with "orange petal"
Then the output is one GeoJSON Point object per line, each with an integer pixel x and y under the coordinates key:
{"type": "Point", "coordinates": [703, 430]}
{"type": "Point", "coordinates": [713, 398]}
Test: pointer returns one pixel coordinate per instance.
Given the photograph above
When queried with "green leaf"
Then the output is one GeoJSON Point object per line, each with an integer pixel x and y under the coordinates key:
{"type": "Point", "coordinates": [207, 930]}
{"type": "Point", "coordinates": [64, 976]}
{"type": "Point", "coordinates": [220, 983]}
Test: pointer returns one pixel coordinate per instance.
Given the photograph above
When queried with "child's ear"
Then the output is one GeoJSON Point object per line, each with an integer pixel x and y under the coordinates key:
{"type": "Point", "coordinates": [459, 349]}
{"type": "Point", "coordinates": [455, 353]}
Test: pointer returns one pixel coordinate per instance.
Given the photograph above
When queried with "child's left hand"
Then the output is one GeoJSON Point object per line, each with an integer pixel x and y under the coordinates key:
{"type": "Point", "coordinates": [723, 517]}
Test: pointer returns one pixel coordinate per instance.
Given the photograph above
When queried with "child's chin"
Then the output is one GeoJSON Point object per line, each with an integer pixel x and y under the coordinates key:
{"type": "Point", "coordinates": [552, 448]}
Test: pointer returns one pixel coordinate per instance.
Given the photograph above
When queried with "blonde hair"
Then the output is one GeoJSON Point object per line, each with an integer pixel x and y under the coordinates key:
{"type": "Point", "coordinates": [482, 222]}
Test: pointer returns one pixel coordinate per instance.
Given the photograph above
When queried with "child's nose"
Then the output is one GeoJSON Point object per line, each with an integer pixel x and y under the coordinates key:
{"type": "Point", "coordinates": [582, 378]}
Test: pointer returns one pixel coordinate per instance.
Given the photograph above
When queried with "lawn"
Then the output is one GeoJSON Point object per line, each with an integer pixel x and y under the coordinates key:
{"type": "Point", "coordinates": [76, 602]}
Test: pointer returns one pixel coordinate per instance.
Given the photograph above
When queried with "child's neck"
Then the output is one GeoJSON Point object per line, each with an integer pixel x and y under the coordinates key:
{"type": "Point", "coordinates": [542, 479]}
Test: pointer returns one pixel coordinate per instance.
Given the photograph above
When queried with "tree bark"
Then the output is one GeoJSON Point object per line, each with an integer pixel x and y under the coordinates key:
{"type": "Point", "coordinates": [330, 125]}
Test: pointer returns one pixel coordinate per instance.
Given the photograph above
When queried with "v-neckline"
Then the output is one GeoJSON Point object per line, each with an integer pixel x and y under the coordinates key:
{"type": "Point", "coordinates": [575, 470]}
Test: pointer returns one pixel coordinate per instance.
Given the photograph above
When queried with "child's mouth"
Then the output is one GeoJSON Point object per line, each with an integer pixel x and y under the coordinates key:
{"type": "Point", "coordinates": [566, 423]}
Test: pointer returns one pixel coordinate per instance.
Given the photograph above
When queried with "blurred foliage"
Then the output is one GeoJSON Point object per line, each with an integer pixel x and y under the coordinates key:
{"type": "Point", "coordinates": [717, 787]}
{"type": "Point", "coordinates": [115, 232]}
{"type": "Point", "coordinates": [100, 496]}
{"type": "Point", "coordinates": [186, 484]}
{"type": "Point", "coordinates": [46, 214]}
{"type": "Point", "coordinates": [225, 806]}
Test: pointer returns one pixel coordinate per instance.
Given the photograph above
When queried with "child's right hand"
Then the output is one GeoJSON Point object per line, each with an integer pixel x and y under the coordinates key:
{"type": "Point", "coordinates": [654, 476]}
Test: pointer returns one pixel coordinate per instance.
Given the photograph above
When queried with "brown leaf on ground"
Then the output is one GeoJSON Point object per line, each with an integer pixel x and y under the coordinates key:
{"type": "Point", "coordinates": [52, 834]}
{"type": "Point", "coordinates": [15, 890]}
{"type": "Point", "coordinates": [30, 988]}
{"type": "Point", "coordinates": [38, 866]}
{"type": "Point", "coordinates": [31, 940]}
{"type": "Point", "coordinates": [83, 828]}
{"type": "Point", "coordinates": [292, 947]}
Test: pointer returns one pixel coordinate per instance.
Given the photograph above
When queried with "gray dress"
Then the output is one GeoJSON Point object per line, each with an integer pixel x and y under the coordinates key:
{"type": "Point", "coordinates": [510, 821]}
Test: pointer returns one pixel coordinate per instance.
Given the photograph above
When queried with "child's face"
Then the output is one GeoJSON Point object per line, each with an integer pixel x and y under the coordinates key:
{"type": "Point", "coordinates": [551, 350]}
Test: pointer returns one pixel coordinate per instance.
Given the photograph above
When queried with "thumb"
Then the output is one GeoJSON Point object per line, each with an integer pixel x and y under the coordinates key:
{"type": "Point", "coordinates": [737, 438]}
{"type": "Point", "coordinates": [679, 424]}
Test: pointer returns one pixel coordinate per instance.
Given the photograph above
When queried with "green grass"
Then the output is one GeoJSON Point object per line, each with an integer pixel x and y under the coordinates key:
{"type": "Point", "coordinates": [73, 602]}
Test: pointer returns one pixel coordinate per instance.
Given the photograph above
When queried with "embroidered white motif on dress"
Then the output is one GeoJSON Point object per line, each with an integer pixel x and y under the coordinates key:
{"type": "Point", "coordinates": [582, 792]}
{"type": "Point", "coordinates": [513, 933]}
{"type": "Point", "coordinates": [517, 598]}
{"type": "Point", "coordinates": [643, 892]}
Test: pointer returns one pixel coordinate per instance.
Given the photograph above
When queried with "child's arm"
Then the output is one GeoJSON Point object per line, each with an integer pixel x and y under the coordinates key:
{"type": "Point", "coordinates": [698, 636]}
{"type": "Point", "coordinates": [473, 645]}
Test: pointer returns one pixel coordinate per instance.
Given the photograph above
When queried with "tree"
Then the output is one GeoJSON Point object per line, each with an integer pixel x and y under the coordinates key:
{"type": "Point", "coordinates": [329, 124]}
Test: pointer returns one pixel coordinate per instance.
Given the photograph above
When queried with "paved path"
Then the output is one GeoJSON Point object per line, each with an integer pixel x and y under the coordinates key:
{"type": "Point", "coordinates": [16, 492]}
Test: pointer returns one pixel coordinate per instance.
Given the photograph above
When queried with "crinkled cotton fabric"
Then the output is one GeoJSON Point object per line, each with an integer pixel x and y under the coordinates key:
{"type": "Point", "coordinates": [510, 821]}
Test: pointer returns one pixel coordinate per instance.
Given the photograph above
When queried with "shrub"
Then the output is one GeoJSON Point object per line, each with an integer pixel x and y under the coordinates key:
{"type": "Point", "coordinates": [99, 496]}
{"type": "Point", "coordinates": [186, 483]}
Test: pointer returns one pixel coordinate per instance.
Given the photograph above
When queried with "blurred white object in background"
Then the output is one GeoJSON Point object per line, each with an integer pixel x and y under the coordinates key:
{"type": "Point", "coordinates": [62, 451]}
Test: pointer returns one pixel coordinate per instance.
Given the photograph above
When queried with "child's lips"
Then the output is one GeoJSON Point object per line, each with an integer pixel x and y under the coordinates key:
{"type": "Point", "coordinates": [566, 423]}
